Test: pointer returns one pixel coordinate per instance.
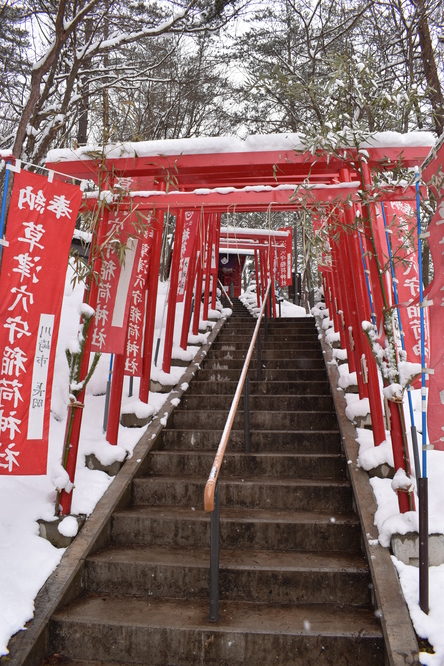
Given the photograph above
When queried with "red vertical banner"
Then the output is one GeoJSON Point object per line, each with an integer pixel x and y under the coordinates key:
{"type": "Point", "coordinates": [40, 226]}
{"type": "Point", "coordinates": [116, 278]}
{"type": "Point", "coordinates": [136, 314]}
{"type": "Point", "coordinates": [190, 226]}
{"type": "Point", "coordinates": [285, 259]}
{"type": "Point", "coordinates": [401, 225]}
{"type": "Point", "coordinates": [435, 299]}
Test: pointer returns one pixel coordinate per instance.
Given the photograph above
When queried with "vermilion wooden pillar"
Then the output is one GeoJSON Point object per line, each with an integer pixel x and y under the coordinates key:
{"type": "Point", "coordinates": [258, 262]}
{"type": "Point", "coordinates": [264, 264]}
{"type": "Point", "coordinates": [210, 223]}
{"type": "Point", "coordinates": [351, 277]}
{"type": "Point", "coordinates": [273, 270]}
{"type": "Point", "coordinates": [371, 246]}
{"type": "Point", "coordinates": [362, 307]}
{"type": "Point", "coordinates": [150, 317]}
{"type": "Point", "coordinates": [215, 260]}
{"type": "Point", "coordinates": [75, 413]}
{"type": "Point", "coordinates": [115, 399]}
{"type": "Point", "coordinates": [342, 296]}
{"type": "Point", "coordinates": [406, 501]}
{"type": "Point", "coordinates": [172, 292]}
{"type": "Point", "coordinates": [199, 274]}
{"type": "Point", "coordinates": [189, 292]}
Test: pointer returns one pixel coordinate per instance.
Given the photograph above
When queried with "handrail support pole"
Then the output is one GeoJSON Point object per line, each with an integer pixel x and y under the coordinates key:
{"type": "Point", "coordinates": [214, 557]}
{"type": "Point", "coordinates": [247, 438]}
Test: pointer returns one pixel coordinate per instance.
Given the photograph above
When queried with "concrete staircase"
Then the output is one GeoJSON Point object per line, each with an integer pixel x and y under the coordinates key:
{"type": "Point", "coordinates": [294, 583]}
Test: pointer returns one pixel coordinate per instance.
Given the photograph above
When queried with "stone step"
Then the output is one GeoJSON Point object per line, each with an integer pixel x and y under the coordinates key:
{"type": "Point", "coordinates": [301, 362]}
{"type": "Point", "coordinates": [259, 388]}
{"type": "Point", "coordinates": [240, 345]}
{"type": "Point", "coordinates": [178, 633]}
{"type": "Point", "coordinates": [267, 374]}
{"type": "Point", "coordinates": [305, 465]}
{"type": "Point", "coordinates": [244, 336]}
{"type": "Point", "coordinates": [250, 492]}
{"type": "Point", "coordinates": [296, 441]}
{"type": "Point", "coordinates": [289, 354]}
{"type": "Point", "coordinates": [240, 528]}
{"type": "Point", "coordinates": [257, 576]}
{"type": "Point", "coordinates": [298, 321]}
{"type": "Point", "coordinates": [294, 420]}
{"type": "Point", "coordinates": [262, 402]}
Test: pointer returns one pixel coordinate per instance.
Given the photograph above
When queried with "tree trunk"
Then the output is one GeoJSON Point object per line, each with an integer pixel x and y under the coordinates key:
{"type": "Point", "coordinates": [435, 92]}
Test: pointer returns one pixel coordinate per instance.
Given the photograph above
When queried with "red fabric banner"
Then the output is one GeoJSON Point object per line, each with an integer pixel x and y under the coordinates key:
{"type": "Point", "coordinates": [401, 222]}
{"type": "Point", "coordinates": [40, 226]}
{"type": "Point", "coordinates": [116, 279]}
{"type": "Point", "coordinates": [190, 226]}
{"type": "Point", "coordinates": [320, 228]}
{"type": "Point", "coordinates": [136, 319]}
{"type": "Point", "coordinates": [285, 259]}
{"type": "Point", "coordinates": [435, 297]}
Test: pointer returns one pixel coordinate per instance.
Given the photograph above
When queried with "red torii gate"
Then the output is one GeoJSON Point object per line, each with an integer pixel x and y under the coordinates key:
{"type": "Point", "coordinates": [211, 183]}
{"type": "Point", "coordinates": [270, 248]}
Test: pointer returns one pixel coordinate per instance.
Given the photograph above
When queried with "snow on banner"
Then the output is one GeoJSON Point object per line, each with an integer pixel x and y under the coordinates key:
{"type": "Point", "coordinates": [40, 226]}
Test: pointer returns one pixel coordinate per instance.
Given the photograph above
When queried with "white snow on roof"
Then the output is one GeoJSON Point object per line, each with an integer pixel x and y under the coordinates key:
{"type": "Point", "coordinates": [225, 144]}
{"type": "Point", "coordinates": [238, 232]}
{"type": "Point", "coordinates": [107, 195]}
{"type": "Point", "coordinates": [398, 140]}
{"type": "Point", "coordinates": [232, 250]}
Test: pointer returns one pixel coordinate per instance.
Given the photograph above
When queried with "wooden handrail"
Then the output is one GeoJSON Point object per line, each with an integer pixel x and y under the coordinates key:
{"type": "Point", "coordinates": [210, 485]}
{"type": "Point", "coordinates": [225, 292]}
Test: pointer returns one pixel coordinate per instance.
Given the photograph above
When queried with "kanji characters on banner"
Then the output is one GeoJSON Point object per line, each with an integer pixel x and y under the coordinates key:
{"type": "Point", "coordinates": [40, 226]}
{"type": "Point", "coordinates": [134, 343]}
{"type": "Point", "coordinates": [285, 259]}
{"type": "Point", "coordinates": [116, 279]}
{"type": "Point", "coordinates": [401, 222]}
{"type": "Point", "coordinates": [435, 298]}
{"type": "Point", "coordinates": [190, 226]}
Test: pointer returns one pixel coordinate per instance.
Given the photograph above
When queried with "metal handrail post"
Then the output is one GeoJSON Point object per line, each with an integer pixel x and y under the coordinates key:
{"type": "Point", "coordinates": [225, 293]}
{"type": "Point", "coordinates": [214, 557]}
{"type": "Point", "coordinates": [259, 358]}
{"type": "Point", "coordinates": [247, 438]}
{"type": "Point", "coordinates": [211, 496]}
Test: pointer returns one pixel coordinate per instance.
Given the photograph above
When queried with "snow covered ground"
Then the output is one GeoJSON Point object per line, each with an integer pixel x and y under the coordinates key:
{"type": "Point", "coordinates": [287, 309]}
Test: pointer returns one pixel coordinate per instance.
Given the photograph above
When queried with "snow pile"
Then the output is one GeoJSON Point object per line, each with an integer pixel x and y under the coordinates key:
{"type": "Point", "coordinates": [340, 354]}
{"type": "Point", "coordinates": [346, 378]}
{"type": "Point", "coordinates": [431, 625]}
{"type": "Point", "coordinates": [287, 309]}
{"type": "Point", "coordinates": [184, 354]}
{"type": "Point", "coordinates": [371, 456]}
{"type": "Point", "coordinates": [68, 526]}
{"type": "Point", "coordinates": [26, 560]}
{"type": "Point", "coordinates": [356, 406]}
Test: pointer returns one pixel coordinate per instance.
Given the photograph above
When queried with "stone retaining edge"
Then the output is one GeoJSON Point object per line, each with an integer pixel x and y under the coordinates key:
{"type": "Point", "coordinates": [399, 636]}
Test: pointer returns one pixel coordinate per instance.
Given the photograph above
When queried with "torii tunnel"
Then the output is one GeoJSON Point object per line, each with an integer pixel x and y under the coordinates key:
{"type": "Point", "coordinates": [198, 180]}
